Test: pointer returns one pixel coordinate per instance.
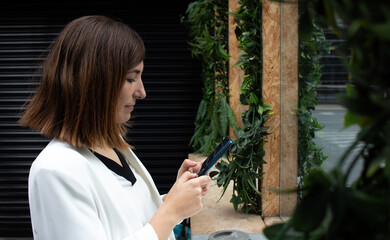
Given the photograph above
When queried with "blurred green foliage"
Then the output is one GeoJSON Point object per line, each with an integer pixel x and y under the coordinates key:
{"type": "Point", "coordinates": [330, 209]}
{"type": "Point", "coordinates": [312, 46]}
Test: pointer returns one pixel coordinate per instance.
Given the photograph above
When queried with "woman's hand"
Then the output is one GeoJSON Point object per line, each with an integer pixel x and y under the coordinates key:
{"type": "Point", "coordinates": [193, 167]}
{"type": "Point", "coordinates": [182, 201]}
{"type": "Point", "coordinates": [189, 165]}
{"type": "Point", "coordinates": [185, 196]}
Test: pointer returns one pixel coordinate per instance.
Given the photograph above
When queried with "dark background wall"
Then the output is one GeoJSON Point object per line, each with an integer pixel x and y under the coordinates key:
{"type": "Point", "coordinates": [162, 123]}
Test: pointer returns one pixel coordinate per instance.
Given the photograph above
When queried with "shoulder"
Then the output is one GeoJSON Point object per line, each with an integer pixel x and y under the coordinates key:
{"type": "Point", "coordinates": [61, 157]}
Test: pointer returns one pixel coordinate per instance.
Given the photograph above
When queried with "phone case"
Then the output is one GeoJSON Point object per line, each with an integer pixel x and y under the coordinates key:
{"type": "Point", "coordinates": [215, 155]}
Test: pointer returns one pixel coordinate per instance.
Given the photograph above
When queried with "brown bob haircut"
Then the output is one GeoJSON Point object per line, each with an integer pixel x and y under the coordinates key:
{"type": "Point", "coordinates": [81, 80]}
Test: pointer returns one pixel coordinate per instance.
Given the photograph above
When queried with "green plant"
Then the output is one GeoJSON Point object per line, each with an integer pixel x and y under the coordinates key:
{"type": "Point", "coordinates": [245, 166]}
{"type": "Point", "coordinates": [207, 21]}
{"type": "Point", "coordinates": [311, 47]}
{"type": "Point", "coordinates": [330, 209]}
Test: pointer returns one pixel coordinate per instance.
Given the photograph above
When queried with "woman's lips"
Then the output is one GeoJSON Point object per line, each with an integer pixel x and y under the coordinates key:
{"type": "Point", "coordinates": [130, 107]}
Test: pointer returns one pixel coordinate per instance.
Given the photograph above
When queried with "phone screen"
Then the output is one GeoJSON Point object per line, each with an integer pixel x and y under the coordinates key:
{"type": "Point", "coordinates": [215, 155]}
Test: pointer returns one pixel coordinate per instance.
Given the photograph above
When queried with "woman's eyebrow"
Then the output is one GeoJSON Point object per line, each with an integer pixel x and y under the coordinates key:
{"type": "Point", "coordinates": [137, 71]}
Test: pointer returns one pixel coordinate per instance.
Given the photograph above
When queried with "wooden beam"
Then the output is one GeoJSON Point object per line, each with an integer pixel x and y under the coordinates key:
{"type": "Point", "coordinates": [272, 94]}
{"type": "Point", "coordinates": [289, 105]}
{"type": "Point", "coordinates": [280, 88]}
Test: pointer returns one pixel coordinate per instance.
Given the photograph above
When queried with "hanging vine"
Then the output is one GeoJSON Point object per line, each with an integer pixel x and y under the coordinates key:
{"type": "Point", "coordinates": [245, 166]}
{"type": "Point", "coordinates": [208, 21]}
{"type": "Point", "coordinates": [311, 47]}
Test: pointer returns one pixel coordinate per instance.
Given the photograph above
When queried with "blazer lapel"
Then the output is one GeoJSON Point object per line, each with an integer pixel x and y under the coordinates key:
{"type": "Point", "coordinates": [133, 161]}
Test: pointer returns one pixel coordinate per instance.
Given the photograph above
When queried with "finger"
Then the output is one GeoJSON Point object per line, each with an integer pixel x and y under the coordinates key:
{"type": "Point", "coordinates": [198, 166]}
{"type": "Point", "coordinates": [205, 190]}
{"type": "Point", "coordinates": [204, 180]}
{"type": "Point", "coordinates": [187, 176]}
{"type": "Point", "coordinates": [187, 163]}
{"type": "Point", "coordinates": [185, 166]}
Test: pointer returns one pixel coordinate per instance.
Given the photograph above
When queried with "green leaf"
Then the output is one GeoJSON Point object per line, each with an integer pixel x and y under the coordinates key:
{"type": "Point", "coordinates": [367, 206]}
{"type": "Point", "coordinates": [382, 30]}
{"type": "Point", "coordinates": [260, 110]}
{"type": "Point", "coordinates": [253, 99]}
{"type": "Point", "coordinates": [223, 52]}
{"type": "Point", "coordinates": [212, 174]}
{"type": "Point", "coordinates": [310, 213]}
{"type": "Point", "coordinates": [235, 201]}
{"type": "Point", "coordinates": [374, 167]}
{"type": "Point", "coordinates": [267, 107]}
{"type": "Point", "coordinates": [350, 119]}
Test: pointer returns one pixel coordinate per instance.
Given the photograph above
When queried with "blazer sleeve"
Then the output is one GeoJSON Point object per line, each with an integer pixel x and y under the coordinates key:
{"type": "Point", "coordinates": [62, 207]}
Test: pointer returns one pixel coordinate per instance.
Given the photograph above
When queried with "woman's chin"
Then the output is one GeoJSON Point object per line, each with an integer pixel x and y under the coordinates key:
{"type": "Point", "coordinates": [124, 118]}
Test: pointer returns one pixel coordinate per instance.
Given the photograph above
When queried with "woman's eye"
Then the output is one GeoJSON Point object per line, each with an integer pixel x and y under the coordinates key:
{"type": "Point", "coordinates": [130, 80]}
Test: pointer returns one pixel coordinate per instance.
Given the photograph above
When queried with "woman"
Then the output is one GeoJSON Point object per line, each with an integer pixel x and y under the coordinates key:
{"type": "Point", "coordinates": [87, 183]}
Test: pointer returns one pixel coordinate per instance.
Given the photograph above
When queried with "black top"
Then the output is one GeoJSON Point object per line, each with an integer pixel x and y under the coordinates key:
{"type": "Point", "coordinates": [123, 170]}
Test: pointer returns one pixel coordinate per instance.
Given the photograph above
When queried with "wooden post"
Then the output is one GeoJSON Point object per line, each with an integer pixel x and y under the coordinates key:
{"type": "Point", "coordinates": [271, 93]}
{"type": "Point", "coordinates": [289, 105]}
{"type": "Point", "coordinates": [280, 88]}
{"type": "Point", "coordinates": [236, 74]}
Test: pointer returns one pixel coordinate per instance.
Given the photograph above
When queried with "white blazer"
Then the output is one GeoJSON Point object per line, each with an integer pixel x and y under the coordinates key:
{"type": "Point", "coordinates": [73, 196]}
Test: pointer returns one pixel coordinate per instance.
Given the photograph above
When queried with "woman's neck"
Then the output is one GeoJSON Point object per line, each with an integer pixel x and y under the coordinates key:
{"type": "Point", "coordinates": [107, 152]}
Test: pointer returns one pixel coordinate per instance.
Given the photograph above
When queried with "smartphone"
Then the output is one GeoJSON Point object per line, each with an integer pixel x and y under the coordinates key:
{"type": "Point", "coordinates": [215, 155]}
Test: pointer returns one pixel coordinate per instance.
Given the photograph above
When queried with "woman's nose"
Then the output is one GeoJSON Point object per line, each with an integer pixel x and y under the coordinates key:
{"type": "Point", "coordinates": [141, 93]}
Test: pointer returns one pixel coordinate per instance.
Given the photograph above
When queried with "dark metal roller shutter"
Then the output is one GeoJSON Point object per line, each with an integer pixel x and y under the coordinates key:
{"type": "Point", "coordinates": [162, 123]}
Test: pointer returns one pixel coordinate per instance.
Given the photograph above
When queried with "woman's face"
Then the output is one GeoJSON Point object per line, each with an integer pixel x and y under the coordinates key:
{"type": "Point", "coordinates": [132, 89]}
